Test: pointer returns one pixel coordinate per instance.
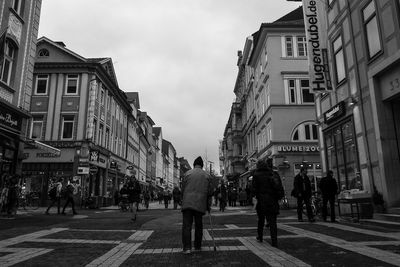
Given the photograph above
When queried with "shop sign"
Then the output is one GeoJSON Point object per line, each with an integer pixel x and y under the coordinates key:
{"type": "Point", "coordinates": [93, 169]}
{"type": "Point", "coordinates": [316, 33]}
{"type": "Point", "coordinates": [10, 119]}
{"type": "Point", "coordinates": [47, 155]}
{"type": "Point", "coordinates": [335, 112]}
{"type": "Point", "coordinates": [83, 170]}
{"type": "Point", "coordinates": [94, 155]}
{"type": "Point", "coordinates": [298, 148]}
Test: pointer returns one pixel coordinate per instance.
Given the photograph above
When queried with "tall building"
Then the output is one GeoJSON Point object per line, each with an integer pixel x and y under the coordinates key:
{"type": "Point", "coordinates": [274, 111]}
{"type": "Point", "coordinates": [77, 107]}
{"type": "Point", "coordinates": [359, 119]}
{"type": "Point", "coordinates": [19, 23]}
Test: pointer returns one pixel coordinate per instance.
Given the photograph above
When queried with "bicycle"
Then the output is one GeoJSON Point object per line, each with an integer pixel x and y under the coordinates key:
{"type": "Point", "coordinates": [285, 203]}
{"type": "Point", "coordinates": [316, 205]}
{"type": "Point", "coordinates": [29, 201]}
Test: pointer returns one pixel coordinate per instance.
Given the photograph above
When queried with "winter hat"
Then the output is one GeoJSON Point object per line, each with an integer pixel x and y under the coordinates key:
{"type": "Point", "coordinates": [198, 161]}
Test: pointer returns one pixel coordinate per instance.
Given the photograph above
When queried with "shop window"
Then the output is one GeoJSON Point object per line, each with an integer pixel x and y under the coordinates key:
{"type": "Point", "coordinates": [371, 29]}
{"type": "Point", "coordinates": [101, 129]}
{"type": "Point", "coordinates": [36, 128]}
{"type": "Point", "coordinates": [7, 62]}
{"type": "Point", "coordinates": [72, 84]}
{"type": "Point", "coordinates": [67, 127]}
{"type": "Point", "coordinates": [342, 156]}
{"type": "Point", "coordinates": [307, 96]}
{"type": "Point", "coordinates": [42, 81]}
{"type": "Point", "coordinates": [339, 60]}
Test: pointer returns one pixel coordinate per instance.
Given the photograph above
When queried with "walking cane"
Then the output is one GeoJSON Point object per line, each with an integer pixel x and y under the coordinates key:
{"type": "Point", "coordinates": [212, 232]}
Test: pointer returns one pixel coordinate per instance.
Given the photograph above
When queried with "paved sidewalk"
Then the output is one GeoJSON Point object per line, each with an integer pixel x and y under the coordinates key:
{"type": "Point", "coordinates": [107, 237]}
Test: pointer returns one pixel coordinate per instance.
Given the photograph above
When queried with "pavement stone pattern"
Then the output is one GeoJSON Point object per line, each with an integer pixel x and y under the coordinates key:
{"type": "Point", "coordinates": [230, 243]}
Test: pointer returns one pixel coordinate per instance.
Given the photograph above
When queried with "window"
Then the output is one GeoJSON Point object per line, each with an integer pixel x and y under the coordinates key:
{"type": "Point", "coordinates": [266, 56]}
{"type": "Point", "coordinates": [102, 97]}
{"type": "Point", "coordinates": [36, 129]}
{"type": "Point", "coordinates": [7, 64]}
{"type": "Point", "coordinates": [305, 132]}
{"type": "Point", "coordinates": [101, 128]}
{"type": "Point", "coordinates": [371, 30]}
{"type": "Point", "coordinates": [289, 46]}
{"type": "Point", "coordinates": [43, 53]}
{"type": "Point", "coordinates": [292, 91]}
{"type": "Point", "coordinates": [339, 60]}
{"type": "Point", "coordinates": [307, 96]}
{"type": "Point", "coordinates": [72, 84]}
{"type": "Point", "coordinates": [302, 46]}
{"type": "Point", "coordinates": [67, 127]}
{"type": "Point", "coordinates": [41, 84]}
{"type": "Point", "coordinates": [17, 6]}
{"type": "Point", "coordinates": [107, 141]}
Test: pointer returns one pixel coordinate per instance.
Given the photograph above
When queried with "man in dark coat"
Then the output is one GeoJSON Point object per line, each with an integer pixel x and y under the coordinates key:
{"type": "Point", "coordinates": [196, 189]}
{"type": "Point", "coordinates": [176, 195]}
{"type": "Point", "coordinates": [329, 189]}
{"type": "Point", "coordinates": [302, 191]}
{"type": "Point", "coordinates": [134, 190]}
{"type": "Point", "coordinates": [268, 190]}
{"type": "Point", "coordinates": [69, 196]}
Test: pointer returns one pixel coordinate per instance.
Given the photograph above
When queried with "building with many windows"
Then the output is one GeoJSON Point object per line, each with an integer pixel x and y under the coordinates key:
{"type": "Point", "coordinates": [77, 107]}
{"type": "Point", "coordinates": [274, 112]}
{"type": "Point", "coordinates": [19, 23]}
{"type": "Point", "coordinates": [360, 119]}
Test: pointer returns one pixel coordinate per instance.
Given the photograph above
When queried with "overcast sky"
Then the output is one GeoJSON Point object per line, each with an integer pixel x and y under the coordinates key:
{"type": "Point", "coordinates": [180, 55]}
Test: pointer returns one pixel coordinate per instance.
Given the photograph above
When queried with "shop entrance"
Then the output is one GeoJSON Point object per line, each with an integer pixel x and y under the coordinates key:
{"type": "Point", "coordinates": [395, 108]}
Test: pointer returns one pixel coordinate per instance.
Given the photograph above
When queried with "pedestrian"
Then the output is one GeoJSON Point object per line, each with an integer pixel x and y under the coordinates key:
{"type": "Point", "coordinates": [216, 197]}
{"type": "Point", "coordinates": [222, 196]}
{"type": "Point", "coordinates": [160, 197]}
{"type": "Point", "coordinates": [4, 197]}
{"type": "Point", "coordinates": [234, 197]}
{"type": "Point", "coordinates": [302, 191]}
{"type": "Point", "coordinates": [55, 196]}
{"type": "Point", "coordinates": [12, 196]}
{"type": "Point", "coordinates": [116, 197]}
{"type": "Point", "coordinates": [134, 190]}
{"type": "Point", "coordinates": [69, 196]}
{"type": "Point", "coordinates": [242, 197]}
{"type": "Point", "coordinates": [196, 189]}
{"type": "Point", "coordinates": [166, 198]}
{"type": "Point", "coordinates": [146, 198]}
{"type": "Point", "coordinates": [268, 190]}
{"type": "Point", "coordinates": [329, 190]}
{"type": "Point", "coordinates": [230, 197]}
{"type": "Point", "coordinates": [176, 194]}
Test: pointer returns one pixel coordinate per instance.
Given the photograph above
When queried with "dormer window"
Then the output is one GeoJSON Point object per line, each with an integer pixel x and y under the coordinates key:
{"type": "Point", "coordinates": [43, 53]}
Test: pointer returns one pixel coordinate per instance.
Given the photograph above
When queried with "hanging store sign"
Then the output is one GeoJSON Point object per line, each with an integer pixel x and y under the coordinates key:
{"type": "Point", "coordinates": [90, 112]}
{"type": "Point", "coordinates": [316, 29]}
{"type": "Point", "coordinates": [298, 148]}
{"type": "Point", "coordinates": [335, 112]}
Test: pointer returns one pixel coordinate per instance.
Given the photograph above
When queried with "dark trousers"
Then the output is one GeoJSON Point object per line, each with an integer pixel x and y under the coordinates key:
{"type": "Point", "coordinates": [273, 228]}
{"type": "Point", "coordinates": [188, 216]}
{"type": "Point", "coordinates": [70, 200]}
{"type": "Point", "coordinates": [300, 201]}
{"type": "Point", "coordinates": [325, 207]}
{"type": "Point", "coordinates": [53, 201]}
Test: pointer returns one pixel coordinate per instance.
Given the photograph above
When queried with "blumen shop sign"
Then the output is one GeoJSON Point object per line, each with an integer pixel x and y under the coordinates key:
{"type": "Point", "coordinates": [10, 119]}
{"type": "Point", "coordinates": [298, 148]}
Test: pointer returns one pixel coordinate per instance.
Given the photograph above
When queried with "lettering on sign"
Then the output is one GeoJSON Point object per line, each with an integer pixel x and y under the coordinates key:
{"type": "Point", "coordinates": [335, 112]}
{"type": "Point", "coordinates": [94, 155]}
{"type": "Point", "coordinates": [47, 155]}
{"type": "Point", "coordinates": [298, 148]}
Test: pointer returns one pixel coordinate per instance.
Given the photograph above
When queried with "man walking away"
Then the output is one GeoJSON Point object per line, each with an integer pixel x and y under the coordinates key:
{"type": "Point", "coordinates": [302, 191]}
{"type": "Point", "coordinates": [268, 189]}
{"type": "Point", "coordinates": [176, 194]}
{"type": "Point", "coordinates": [69, 195]}
{"type": "Point", "coordinates": [196, 188]}
{"type": "Point", "coordinates": [55, 196]}
{"type": "Point", "coordinates": [133, 196]}
{"type": "Point", "coordinates": [329, 189]}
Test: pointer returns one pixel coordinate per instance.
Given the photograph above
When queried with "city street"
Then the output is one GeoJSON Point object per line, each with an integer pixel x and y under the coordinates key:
{"type": "Point", "coordinates": [107, 237]}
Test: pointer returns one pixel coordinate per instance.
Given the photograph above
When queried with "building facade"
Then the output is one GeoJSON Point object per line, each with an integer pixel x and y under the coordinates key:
{"type": "Point", "coordinates": [77, 107]}
{"type": "Point", "coordinates": [19, 23]}
{"type": "Point", "coordinates": [359, 121]}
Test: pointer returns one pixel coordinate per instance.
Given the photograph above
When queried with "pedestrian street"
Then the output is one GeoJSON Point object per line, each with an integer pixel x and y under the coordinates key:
{"type": "Point", "coordinates": [299, 244]}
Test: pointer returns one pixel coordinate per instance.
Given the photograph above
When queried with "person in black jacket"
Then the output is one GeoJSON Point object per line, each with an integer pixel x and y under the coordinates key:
{"type": "Point", "coordinates": [329, 189]}
{"type": "Point", "coordinates": [302, 191]}
{"type": "Point", "coordinates": [268, 190]}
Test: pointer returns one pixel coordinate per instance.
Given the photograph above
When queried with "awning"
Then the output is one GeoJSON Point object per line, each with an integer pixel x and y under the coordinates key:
{"type": "Point", "coordinates": [44, 147]}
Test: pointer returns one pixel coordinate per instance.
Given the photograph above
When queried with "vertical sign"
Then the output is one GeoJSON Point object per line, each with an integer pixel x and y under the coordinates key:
{"type": "Point", "coordinates": [90, 111]}
{"type": "Point", "coordinates": [316, 32]}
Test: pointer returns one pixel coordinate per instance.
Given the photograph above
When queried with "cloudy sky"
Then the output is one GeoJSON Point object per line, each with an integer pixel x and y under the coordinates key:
{"type": "Point", "coordinates": [180, 55]}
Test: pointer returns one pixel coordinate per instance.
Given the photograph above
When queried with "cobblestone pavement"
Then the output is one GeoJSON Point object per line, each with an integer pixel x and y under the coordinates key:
{"type": "Point", "coordinates": [108, 237]}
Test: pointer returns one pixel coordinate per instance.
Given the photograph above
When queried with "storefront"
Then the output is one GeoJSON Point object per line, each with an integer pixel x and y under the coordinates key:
{"type": "Point", "coordinates": [11, 145]}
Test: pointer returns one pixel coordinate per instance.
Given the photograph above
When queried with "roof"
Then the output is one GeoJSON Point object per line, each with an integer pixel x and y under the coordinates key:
{"type": "Point", "coordinates": [133, 98]}
{"type": "Point", "coordinates": [157, 131]}
{"type": "Point", "coordinates": [296, 14]}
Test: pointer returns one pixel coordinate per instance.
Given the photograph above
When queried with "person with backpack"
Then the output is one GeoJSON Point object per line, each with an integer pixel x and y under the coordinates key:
{"type": "Point", "coordinates": [69, 195]}
{"type": "Point", "coordinates": [268, 190]}
{"type": "Point", "coordinates": [55, 196]}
